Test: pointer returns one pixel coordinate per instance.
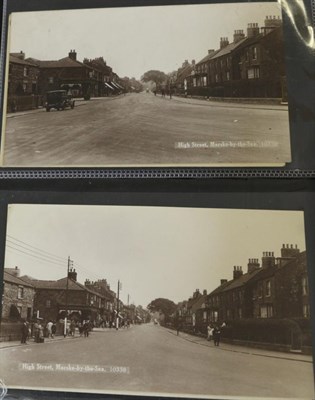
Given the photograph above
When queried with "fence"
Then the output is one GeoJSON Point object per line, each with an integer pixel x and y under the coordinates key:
{"type": "Point", "coordinates": [23, 103]}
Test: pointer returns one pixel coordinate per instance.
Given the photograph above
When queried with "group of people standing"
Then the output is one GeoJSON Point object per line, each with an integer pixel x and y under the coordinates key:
{"type": "Point", "coordinates": [214, 333]}
{"type": "Point", "coordinates": [37, 330]}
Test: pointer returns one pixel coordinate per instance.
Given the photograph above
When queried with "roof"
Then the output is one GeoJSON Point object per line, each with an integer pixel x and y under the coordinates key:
{"type": "Point", "coordinates": [208, 57]}
{"type": "Point", "coordinates": [17, 60]}
{"type": "Point", "coordinates": [199, 301]}
{"type": "Point", "coordinates": [65, 62]}
{"type": "Point", "coordinates": [228, 49]}
{"type": "Point", "coordinates": [62, 284]}
{"type": "Point", "coordinates": [220, 288]}
{"type": "Point", "coordinates": [243, 279]}
{"type": "Point", "coordinates": [7, 277]}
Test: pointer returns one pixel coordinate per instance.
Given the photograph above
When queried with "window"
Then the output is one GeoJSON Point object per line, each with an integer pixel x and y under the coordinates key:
{"type": "Point", "coordinates": [268, 288]}
{"type": "Point", "coordinates": [253, 73]}
{"type": "Point", "coordinates": [204, 316]}
{"type": "Point", "coordinates": [227, 75]}
{"type": "Point", "coordinates": [306, 311]}
{"type": "Point", "coordinates": [260, 290]}
{"type": "Point", "coordinates": [217, 78]}
{"type": "Point", "coordinates": [25, 71]}
{"type": "Point", "coordinates": [195, 82]}
{"type": "Point", "coordinates": [204, 81]}
{"type": "Point", "coordinates": [240, 314]}
{"type": "Point", "coordinates": [20, 292]}
{"type": "Point", "coordinates": [24, 87]}
{"type": "Point", "coordinates": [48, 303]}
{"type": "Point", "coordinates": [266, 311]}
{"type": "Point", "coordinates": [51, 79]}
{"type": "Point", "coordinates": [254, 53]}
{"type": "Point", "coordinates": [304, 286]}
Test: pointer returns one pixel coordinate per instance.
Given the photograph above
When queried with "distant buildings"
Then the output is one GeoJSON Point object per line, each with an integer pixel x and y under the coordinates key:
{"type": "Point", "coordinates": [30, 79]}
{"type": "Point", "coordinates": [252, 65]}
{"type": "Point", "coordinates": [274, 289]}
{"type": "Point", "coordinates": [27, 298]}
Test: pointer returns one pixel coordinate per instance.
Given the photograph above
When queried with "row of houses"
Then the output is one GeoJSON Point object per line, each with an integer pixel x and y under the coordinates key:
{"type": "Point", "coordinates": [90, 78]}
{"type": "Point", "coordinates": [271, 290]}
{"type": "Point", "coordinates": [251, 65]}
{"type": "Point", "coordinates": [28, 298]}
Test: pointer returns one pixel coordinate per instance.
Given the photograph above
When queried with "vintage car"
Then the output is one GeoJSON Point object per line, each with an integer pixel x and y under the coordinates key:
{"type": "Point", "coordinates": [58, 99]}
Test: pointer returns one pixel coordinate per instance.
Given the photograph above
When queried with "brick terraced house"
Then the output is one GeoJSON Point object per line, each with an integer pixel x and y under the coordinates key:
{"type": "Point", "coordinates": [18, 296]}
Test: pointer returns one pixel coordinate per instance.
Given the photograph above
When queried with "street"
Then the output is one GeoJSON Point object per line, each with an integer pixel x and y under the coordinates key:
{"type": "Point", "coordinates": [143, 129]}
{"type": "Point", "coordinates": [153, 359]}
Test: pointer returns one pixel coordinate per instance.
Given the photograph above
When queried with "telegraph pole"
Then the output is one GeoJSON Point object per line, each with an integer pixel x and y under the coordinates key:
{"type": "Point", "coordinates": [70, 263]}
{"type": "Point", "coordinates": [117, 317]}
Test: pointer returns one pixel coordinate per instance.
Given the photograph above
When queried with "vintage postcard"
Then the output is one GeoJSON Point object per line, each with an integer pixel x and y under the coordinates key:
{"type": "Point", "coordinates": [184, 85]}
{"type": "Point", "coordinates": [159, 301]}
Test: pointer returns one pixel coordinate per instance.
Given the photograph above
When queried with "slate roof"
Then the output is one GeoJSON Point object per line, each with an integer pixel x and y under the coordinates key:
{"type": "Point", "coordinates": [207, 57]}
{"type": "Point", "coordinates": [242, 280]}
{"type": "Point", "coordinates": [62, 284]}
{"type": "Point", "coordinates": [17, 60]}
{"type": "Point", "coordinates": [7, 277]}
{"type": "Point", "coordinates": [228, 49]}
{"type": "Point", "coordinates": [66, 62]}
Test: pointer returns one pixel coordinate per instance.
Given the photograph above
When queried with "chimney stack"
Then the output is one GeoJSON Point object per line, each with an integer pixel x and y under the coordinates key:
{"type": "Point", "coordinates": [210, 51]}
{"type": "Point", "coordinates": [224, 41]}
{"type": "Point", "coordinates": [289, 251]}
{"type": "Point", "coordinates": [238, 35]}
{"type": "Point", "coordinates": [72, 274]}
{"type": "Point", "coordinates": [73, 55]}
{"type": "Point", "coordinates": [272, 21]}
{"type": "Point", "coordinates": [237, 272]}
{"type": "Point", "coordinates": [253, 263]}
{"type": "Point", "coordinates": [205, 292]}
{"type": "Point", "coordinates": [222, 281]}
{"type": "Point", "coordinates": [252, 29]}
{"type": "Point", "coordinates": [268, 259]}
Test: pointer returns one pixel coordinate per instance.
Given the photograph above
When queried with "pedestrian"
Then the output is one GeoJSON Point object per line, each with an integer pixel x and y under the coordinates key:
{"type": "Point", "coordinates": [24, 332]}
{"type": "Point", "coordinates": [216, 336]}
{"type": "Point", "coordinates": [36, 331]}
{"type": "Point", "coordinates": [53, 329]}
{"type": "Point", "coordinates": [86, 328]}
{"type": "Point", "coordinates": [209, 332]}
{"type": "Point", "coordinates": [49, 328]}
{"type": "Point", "coordinates": [81, 329]}
{"type": "Point", "coordinates": [72, 328]}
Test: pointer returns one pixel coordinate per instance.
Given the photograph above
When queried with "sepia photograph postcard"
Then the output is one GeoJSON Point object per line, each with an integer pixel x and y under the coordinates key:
{"type": "Point", "coordinates": [159, 301]}
{"type": "Point", "coordinates": [176, 85]}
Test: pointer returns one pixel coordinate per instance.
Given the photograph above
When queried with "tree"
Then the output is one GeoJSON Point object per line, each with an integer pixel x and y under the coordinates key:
{"type": "Point", "coordinates": [158, 77]}
{"type": "Point", "coordinates": [167, 307]}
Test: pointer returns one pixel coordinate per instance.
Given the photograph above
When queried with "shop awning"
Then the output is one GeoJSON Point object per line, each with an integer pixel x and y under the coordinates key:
{"type": "Point", "coordinates": [107, 84]}
{"type": "Point", "coordinates": [114, 84]}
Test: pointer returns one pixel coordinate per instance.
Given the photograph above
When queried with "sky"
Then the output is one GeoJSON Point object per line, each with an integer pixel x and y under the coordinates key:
{"type": "Point", "coordinates": [134, 40]}
{"type": "Point", "coordinates": [154, 251]}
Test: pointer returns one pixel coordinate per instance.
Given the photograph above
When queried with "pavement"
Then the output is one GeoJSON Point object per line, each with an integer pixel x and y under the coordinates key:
{"type": "Point", "coordinates": [17, 343]}
{"type": "Point", "coordinates": [244, 349]}
{"type": "Point", "coordinates": [78, 102]}
{"type": "Point", "coordinates": [147, 130]}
